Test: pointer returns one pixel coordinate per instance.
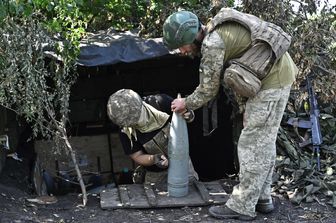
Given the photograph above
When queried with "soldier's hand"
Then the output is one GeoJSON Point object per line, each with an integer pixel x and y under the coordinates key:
{"type": "Point", "coordinates": [188, 115]}
{"type": "Point", "coordinates": [161, 161]}
{"type": "Point", "coordinates": [178, 105]}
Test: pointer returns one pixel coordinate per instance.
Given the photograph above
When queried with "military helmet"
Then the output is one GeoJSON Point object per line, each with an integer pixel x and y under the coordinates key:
{"type": "Point", "coordinates": [180, 28]}
{"type": "Point", "coordinates": [124, 107]}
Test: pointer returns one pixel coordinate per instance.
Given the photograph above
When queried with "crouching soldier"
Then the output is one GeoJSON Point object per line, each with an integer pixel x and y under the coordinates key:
{"type": "Point", "coordinates": [144, 130]}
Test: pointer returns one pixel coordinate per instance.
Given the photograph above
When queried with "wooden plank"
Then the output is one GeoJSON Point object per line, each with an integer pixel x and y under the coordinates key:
{"type": "Point", "coordinates": [142, 196]}
{"type": "Point", "coordinates": [152, 201]}
{"type": "Point", "coordinates": [193, 198]}
{"type": "Point", "coordinates": [203, 191]}
{"type": "Point", "coordinates": [124, 197]}
{"type": "Point", "coordinates": [110, 199]}
{"type": "Point", "coordinates": [87, 148]}
{"type": "Point", "coordinates": [137, 195]}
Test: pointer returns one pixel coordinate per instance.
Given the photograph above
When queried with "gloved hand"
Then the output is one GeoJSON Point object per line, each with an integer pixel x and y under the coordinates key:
{"type": "Point", "coordinates": [161, 161]}
{"type": "Point", "coordinates": [188, 115]}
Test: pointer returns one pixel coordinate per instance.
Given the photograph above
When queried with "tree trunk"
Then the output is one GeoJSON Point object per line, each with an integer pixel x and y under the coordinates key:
{"type": "Point", "coordinates": [74, 160]}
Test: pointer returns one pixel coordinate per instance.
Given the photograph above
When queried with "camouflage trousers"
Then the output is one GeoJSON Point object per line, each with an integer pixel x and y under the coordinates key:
{"type": "Point", "coordinates": [257, 149]}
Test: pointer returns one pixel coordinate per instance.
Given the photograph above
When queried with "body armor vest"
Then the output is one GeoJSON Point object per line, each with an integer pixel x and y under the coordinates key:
{"type": "Point", "coordinates": [159, 143]}
{"type": "Point", "coordinates": [269, 43]}
{"type": "Point", "coordinates": [260, 30]}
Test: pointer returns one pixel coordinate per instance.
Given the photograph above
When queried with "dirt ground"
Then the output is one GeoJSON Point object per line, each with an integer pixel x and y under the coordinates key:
{"type": "Point", "coordinates": [15, 189]}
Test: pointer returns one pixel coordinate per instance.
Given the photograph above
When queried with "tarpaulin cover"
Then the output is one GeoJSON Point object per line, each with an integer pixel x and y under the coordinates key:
{"type": "Point", "coordinates": [106, 48]}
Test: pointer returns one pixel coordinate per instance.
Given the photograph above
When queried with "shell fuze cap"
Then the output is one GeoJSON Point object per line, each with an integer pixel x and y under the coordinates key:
{"type": "Point", "coordinates": [180, 28]}
{"type": "Point", "coordinates": [124, 107]}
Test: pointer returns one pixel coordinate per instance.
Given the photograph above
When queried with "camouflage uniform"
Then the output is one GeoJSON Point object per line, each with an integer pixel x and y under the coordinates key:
{"type": "Point", "coordinates": [257, 150]}
{"type": "Point", "coordinates": [128, 110]}
{"type": "Point", "coordinates": [263, 112]}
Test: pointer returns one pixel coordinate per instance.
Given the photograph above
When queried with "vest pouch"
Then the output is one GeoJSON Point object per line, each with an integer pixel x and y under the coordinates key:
{"type": "Point", "coordinates": [159, 143]}
{"type": "Point", "coordinates": [241, 80]}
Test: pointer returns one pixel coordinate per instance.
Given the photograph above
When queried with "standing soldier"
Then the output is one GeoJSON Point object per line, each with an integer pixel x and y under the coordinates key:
{"type": "Point", "coordinates": [249, 57]}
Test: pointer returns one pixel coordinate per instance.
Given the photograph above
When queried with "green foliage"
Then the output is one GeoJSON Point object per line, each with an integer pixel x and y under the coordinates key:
{"type": "Point", "coordinates": [145, 16]}
{"type": "Point", "coordinates": [13, 8]}
{"type": "Point", "coordinates": [313, 49]}
{"type": "Point", "coordinates": [313, 39]}
{"type": "Point", "coordinates": [69, 21]}
{"type": "Point", "coordinates": [38, 87]}
{"type": "Point", "coordinates": [40, 91]}
{"type": "Point", "coordinates": [36, 90]}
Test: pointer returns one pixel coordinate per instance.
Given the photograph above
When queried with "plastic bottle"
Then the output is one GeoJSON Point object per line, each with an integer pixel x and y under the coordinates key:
{"type": "Point", "coordinates": [178, 155]}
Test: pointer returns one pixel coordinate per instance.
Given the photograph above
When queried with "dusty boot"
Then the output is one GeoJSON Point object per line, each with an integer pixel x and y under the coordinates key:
{"type": "Point", "coordinates": [224, 212]}
{"type": "Point", "coordinates": [265, 206]}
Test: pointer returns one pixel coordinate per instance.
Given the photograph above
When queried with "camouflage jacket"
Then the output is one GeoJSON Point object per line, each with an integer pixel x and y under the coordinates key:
{"type": "Point", "coordinates": [213, 51]}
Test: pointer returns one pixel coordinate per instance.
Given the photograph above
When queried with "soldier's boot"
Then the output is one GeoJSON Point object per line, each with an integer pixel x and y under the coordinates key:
{"type": "Point", "coordinates": [223, 212]}
{"type": "Point", "coordinates": [265, 206]}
